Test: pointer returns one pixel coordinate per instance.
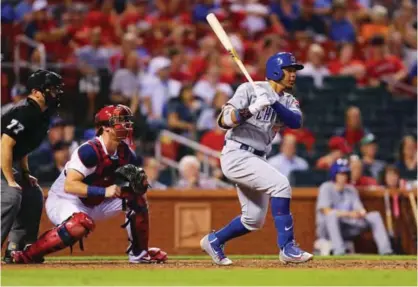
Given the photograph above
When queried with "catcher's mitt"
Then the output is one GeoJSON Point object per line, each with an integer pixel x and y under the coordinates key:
{"type": "Point", "coordinates": [132, 177]}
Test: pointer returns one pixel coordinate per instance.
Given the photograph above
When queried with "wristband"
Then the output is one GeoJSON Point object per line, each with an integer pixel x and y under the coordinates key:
{"type": "Point", "coordinates": [238, 116]}
{"type": "Point", "coordinates": [244, 114]}
{"type": "Point", "coordinates": [96, 191]}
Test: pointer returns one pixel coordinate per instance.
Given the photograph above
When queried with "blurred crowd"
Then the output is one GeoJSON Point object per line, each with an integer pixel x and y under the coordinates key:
{"type": "Point", "coordinates": [162, 60]}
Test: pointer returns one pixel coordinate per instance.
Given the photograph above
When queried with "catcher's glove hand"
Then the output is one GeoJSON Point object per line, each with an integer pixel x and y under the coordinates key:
{"type": "Point", "coordinates": [132, 177]}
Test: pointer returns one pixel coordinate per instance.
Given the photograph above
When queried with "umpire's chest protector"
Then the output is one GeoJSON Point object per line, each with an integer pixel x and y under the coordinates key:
{"type": "Point", "coordinates": [104, 174]}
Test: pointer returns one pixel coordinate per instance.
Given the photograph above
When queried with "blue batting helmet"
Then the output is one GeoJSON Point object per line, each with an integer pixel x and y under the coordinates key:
{"type": "Point", "coordinates": [340, 166]}
{"type": "Point", "coordinates": [276, 63]}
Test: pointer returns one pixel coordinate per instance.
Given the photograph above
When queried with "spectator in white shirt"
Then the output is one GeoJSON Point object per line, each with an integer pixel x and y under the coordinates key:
{"type": "Point", "coordinates": [207, 85]}
{"type": "Point", "coordinates": [315, 66]}
{"type": "Point", "coordinates": [287, 160]}
{"type": "Point", "coordinates": [190, 177]}
{"type": "Point", "coordinates": [124, 87]}
{"type": "Point", "coordinates": [255, 15]}
{"type": "Point", "coordinates": [156, 89]}
{"type": "Point", "coordinates": [90, 59]}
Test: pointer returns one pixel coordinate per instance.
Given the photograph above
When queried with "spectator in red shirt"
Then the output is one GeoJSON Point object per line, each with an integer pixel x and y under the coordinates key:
{"type": "Point", "coordinates": [134, 12]}
{"type": "Point", "coordinates": [353, 131]}
{"type": "Point", "coordinates": [346, 65]}
{"type": "Point", "coordinates": [338, 148]}
{"type": "Point", "coordinates": [358, 179]}
{"type": "Point", "coordinates": [382, 66]}
{"type": "Point", "coordinates": [303, 136]}
{"type": "Point", "coordinates": [105, 18]}
{"type": "Point", "coordinates": [214, 140]}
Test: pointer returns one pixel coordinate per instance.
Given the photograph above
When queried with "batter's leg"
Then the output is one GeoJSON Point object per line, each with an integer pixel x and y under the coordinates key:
{"type": "Point", "coordinates": [374, 219]}
{"type": "Point", "coordinates": [11, 199]}
{"type": "Point", "coordinates": [254, 207]}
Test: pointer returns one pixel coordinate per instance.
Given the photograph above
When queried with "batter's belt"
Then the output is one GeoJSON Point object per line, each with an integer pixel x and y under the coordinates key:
{"type": "Point", "coordinates": [238, 145]}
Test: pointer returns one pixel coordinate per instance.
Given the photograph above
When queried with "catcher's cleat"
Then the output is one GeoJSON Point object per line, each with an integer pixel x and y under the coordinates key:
{"type": "Point", "coordinates": [291, 253]}
{"type": "Point", "coordinates": [20, 257]}
{"type": "Point", "coordinates": [210, 245]}
{"type": "Point", "coordinates": [153, 255]}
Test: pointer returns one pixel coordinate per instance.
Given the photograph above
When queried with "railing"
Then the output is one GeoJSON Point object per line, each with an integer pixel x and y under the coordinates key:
{"type": "Point", "coordinates": [20, 63]}
{"type": "Point", "coordinates": [205, 151]}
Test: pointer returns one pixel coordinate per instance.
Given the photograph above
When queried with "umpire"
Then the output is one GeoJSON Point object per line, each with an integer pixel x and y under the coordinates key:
{"type": "Point", "coordinates": [23, 128]}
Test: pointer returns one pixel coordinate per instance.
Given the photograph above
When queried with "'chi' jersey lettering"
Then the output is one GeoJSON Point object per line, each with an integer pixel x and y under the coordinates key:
{"type": "Point", "coordinates": [259, 130]}
{"type": "Point", "coordinates": [27, 125]}
{"type": "Point", "coordinates": [96, 165]}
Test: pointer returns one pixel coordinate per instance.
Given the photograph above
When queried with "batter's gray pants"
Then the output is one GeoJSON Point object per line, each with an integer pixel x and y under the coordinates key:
{"type": "Point", "coordinates": [337, 229]}
{"type": "Point", "coordinates": [256, 182]}
{"type": "Point", "coordinates": [21, 212]}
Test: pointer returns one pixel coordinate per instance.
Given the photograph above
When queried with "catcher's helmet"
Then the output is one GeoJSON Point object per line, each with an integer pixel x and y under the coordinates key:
{"type": "Point", "coordinates": [276, 63]}
{"type": "Point", "coordinates": [50, 84]}
{"type": "Point", "coordinates": [119, 117]}
{"type": "Point", "coordinates": [340, 166]}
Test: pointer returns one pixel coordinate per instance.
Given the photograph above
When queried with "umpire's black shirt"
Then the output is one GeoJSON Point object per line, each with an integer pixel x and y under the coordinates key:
{"type": "Point", "coordinates": [27, 125]}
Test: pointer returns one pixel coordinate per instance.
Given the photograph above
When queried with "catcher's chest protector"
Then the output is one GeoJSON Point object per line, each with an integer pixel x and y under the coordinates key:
{"type": "Point", "coordinates": [104, 175]}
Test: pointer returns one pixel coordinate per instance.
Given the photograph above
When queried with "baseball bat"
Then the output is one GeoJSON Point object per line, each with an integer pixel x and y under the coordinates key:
{"type": "Point", "coordinates": [398, 248]}
{"type": "Point", "coordinates": [388, 212]}
{"type": "Point", "coordinates": [226, 42]}
{"type": "Point", "coordinates": [413, 205]}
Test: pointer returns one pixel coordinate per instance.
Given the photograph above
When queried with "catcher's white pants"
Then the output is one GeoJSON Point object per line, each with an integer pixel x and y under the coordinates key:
{"type": "Point", "coordinates": [60, 208]}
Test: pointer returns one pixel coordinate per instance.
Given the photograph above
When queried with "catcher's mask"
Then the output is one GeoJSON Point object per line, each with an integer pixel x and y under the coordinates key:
{"type": "Point", "coordinates": [119, 117]}
{"type": "Point", "coordinates": [50, 84]}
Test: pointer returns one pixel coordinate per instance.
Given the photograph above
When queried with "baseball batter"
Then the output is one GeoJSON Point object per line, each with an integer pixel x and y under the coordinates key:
{"type": "Point", "coordinates": [252, 117]}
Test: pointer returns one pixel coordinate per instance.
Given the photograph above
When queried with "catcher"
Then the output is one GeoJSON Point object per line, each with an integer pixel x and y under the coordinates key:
{"type": "Point", "coordinates": [101, 179]}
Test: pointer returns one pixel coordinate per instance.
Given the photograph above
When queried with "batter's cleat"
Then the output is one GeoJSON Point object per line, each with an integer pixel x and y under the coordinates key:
{"type": "Point", "coordinates": [291, 253]}
{"type": "Point", "coordinates": [211, 246]}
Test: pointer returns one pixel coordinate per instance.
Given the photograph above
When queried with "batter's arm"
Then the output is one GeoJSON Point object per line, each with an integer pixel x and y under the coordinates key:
{"type": "Point", "coordinates": [231, 117]}
{"type": "Point", "coordinates": [291, 118]}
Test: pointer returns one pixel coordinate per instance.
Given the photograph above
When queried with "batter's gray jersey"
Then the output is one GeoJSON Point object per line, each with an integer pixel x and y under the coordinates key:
{"type": "Point", "coordinates": [258, 131]}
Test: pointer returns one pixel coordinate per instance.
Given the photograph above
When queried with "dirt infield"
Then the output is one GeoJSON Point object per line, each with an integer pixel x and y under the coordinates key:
{"type": "Point", "coordinates": [241, 263]}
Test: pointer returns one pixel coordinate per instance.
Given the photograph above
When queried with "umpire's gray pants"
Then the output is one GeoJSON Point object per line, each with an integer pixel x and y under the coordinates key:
{"type": "Point", "coordinates": [337, 229]}
{"type": "Point", "coordinates": [21, 212]}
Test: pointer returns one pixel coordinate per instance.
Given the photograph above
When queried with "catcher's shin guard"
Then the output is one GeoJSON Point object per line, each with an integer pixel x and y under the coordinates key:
{"type": "Point", "coordinates": [66, 234]}
{"type": "Point", "coordinates": [137, 224]}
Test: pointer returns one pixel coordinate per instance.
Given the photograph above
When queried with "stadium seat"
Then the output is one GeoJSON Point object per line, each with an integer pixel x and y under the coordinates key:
{"type": "Point", "coordinates": [340, 82]}
{"type": "Point", "coordinates": [308, 178]}
{"type": "Point", "coordinates": [304, 84]}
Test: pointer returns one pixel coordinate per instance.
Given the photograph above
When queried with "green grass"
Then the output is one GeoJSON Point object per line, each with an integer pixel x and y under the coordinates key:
{"type": "Point", "coordinates": [218, 276]}
{"type": "Point", "coordinates": [213, 277]}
